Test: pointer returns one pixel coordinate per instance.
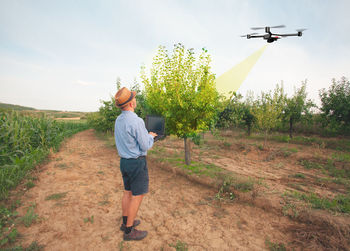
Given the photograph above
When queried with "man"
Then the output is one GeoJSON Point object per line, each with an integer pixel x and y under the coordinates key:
{"type": "Point", "coordinates": [132, 140]}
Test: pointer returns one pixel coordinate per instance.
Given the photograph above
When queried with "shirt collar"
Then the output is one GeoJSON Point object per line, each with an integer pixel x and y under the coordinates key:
{"type": "Point", "coordinates": [128, 112]}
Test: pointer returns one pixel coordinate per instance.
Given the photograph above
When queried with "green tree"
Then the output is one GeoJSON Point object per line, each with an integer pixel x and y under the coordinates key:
{"type": "Point", "coordinates": [268, 110]}
{"type": "Point", "coordinates": [118, 83]}
{"type": "Point", "coordinates": [141, 108]}
{"type": "Point", "coordinates": [182, 89]}
{"type": "Point", "coordinates": [237, 113]}
{"type": "Point", "coordinates": [296, 107]}
{"type": "Point", "coordinates": [229, 115]}
{"type": "Point", "coordinates": [104, 119]}
{"type": "Point", "coordinates": [336, 104]}
{"type": "Point", "coordinates": [248, 115]}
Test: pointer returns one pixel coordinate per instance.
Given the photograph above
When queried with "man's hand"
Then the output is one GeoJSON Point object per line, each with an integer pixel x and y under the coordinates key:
{"type": "Point", "coordinates": [153, 134]}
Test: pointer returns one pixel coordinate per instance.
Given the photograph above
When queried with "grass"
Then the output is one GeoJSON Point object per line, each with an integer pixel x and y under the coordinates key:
{"type": "Point", "coordinates": [7, 235]}
{"type": "Point", "coordinates": [296, 186]}
{"type": "Point", "coordinates": [232, 182]}
{"type": "Point", "coordinates": [310, 164]}
{"type": "Point", "coordinates": [340, 203]}
{"type": "Point", "coordinates": [121, 246]}
{"type": "Point", "coordinates": [196, 167]}
{"type": "Point", "coordinates": [29, 217]}
{"type": "Point", "coordinates": [330, 167]}
{"type": "Point", "coordinates": [10, 237]}
{"type": "Point", "coordinates": [30, 185]}
{"type": "Point", "coordinates": [56, 196]}
{"type": "Point", "coordinates": [8, 219]}
{"type": "Point", "coordinates": [34, 246]}
{"type": "Point", "coordinates": [227, 144]}
{"type": "Point", "coordinates": [179, 246]}
{"type": "Point", "coordinates": [89, 219]}
{"type": "Point", "coordinates": [274, 246]}
{"type": "Point", "coordinates": [342, 157]}
{"type": "Point", "coordinates": [298, 175]}
{"type": "Point", "coordinates": [62, 165]}
{"type": "Point", "coordinates": [243, 185]}
{"type": "Point", "coordinates": [290, 209]}
{"type": "Point", "coordinates": [336, 144]}
{"type": "Point", "coordinates": [286, 152]}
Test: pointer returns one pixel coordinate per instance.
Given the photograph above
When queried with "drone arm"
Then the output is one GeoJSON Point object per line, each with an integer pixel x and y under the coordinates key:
{"type": "Point", "coordinates": [254, 36]}
{"type": "Point", "coordinates": [287, 35]}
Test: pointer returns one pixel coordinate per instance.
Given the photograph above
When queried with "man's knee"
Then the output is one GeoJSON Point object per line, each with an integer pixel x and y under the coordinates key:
{"type": "Point", "coordinates": [138, 197]}
{"type": "Point", "coordinates": [128, 194]}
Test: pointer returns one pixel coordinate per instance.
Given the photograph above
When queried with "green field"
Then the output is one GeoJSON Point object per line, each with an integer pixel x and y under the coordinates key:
{"type": "Point", "coordinates": [25, 141]}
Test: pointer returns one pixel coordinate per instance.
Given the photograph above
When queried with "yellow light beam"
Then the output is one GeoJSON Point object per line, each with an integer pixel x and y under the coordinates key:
{"type": "Point", "coordinates": [231, 80]}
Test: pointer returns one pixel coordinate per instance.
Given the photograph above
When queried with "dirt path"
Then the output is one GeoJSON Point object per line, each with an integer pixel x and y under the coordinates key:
{"type": "Point", "coordinates": [88, 216]}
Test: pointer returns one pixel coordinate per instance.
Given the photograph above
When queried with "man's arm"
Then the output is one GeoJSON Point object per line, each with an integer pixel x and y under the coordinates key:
{"type": "Point", "coordinates": [144, 138]}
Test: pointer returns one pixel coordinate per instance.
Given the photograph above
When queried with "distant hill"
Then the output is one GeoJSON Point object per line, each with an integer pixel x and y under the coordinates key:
{"type": "Point", "coordinates": [15, 107]}
{"type": "Point", "coordinates": [54, 114]}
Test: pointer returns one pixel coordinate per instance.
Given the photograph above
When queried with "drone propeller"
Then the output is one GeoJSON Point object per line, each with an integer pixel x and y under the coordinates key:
{"type": "Point", "coordinates": [260, 28]}
{"type": "Point", "coordinates": [278, 26]}
{"type": "Point", "coordinates": [249, 34]}
{"type": "Point", "coordinates": [257, 28]}
{"type": "Point", "coordinates": [300, 30]}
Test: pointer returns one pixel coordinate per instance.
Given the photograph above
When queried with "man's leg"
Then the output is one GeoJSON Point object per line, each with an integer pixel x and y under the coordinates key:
{"type": "Point", "coordinates": [134, 205]}
{"type": "Point", "coordinates": [126, 202]}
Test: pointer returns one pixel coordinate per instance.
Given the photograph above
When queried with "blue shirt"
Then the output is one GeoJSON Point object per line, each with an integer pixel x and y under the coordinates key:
{"type": "Point", "coordinates": [131, 136]}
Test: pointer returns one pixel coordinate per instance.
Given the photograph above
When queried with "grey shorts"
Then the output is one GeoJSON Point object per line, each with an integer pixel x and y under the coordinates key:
{"type": "Point", "coordinates": [135, 175]}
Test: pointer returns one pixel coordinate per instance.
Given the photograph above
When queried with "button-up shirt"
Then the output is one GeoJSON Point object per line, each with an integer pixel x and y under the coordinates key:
{"type": "Point", "coordinates": [131, 136]}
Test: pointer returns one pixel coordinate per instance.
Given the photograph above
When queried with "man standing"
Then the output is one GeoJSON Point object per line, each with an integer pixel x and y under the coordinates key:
{"type": "Point", "coordinates": [132, 140]}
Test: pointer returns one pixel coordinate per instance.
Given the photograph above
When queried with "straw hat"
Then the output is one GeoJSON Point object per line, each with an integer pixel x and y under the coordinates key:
{"type": "Point", "coordinates": [123, 97]}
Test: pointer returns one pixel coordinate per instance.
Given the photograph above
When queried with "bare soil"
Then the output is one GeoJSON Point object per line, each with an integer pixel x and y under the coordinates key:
{"type": "Point", "coordinates": [176, 211]}
{"type": "Point", "coordinates": [73, 118]}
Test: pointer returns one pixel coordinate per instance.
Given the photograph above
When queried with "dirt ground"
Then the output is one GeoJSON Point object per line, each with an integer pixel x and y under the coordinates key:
{"type": "Point", "coordinates": [243, 157]}
{"type": "Point", "coordinates": [176, 211]}
{"type": "Point", "coordinates": [74, 118]}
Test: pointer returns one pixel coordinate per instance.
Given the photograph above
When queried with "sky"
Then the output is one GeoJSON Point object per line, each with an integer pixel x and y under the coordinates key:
{"type": "Point", "coordinates": [67, 55]}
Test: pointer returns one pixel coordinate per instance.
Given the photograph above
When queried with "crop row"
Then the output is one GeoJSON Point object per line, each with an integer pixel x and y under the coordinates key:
{"type": "Point", "coordinates": [25, 141]}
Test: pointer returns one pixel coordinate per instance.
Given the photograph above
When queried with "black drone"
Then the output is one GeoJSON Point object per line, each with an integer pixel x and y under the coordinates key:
{"type": "Point", "coordinates": [272, 37]}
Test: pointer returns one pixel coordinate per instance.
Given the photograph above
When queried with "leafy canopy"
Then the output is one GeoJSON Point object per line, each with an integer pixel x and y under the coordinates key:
{"type": "Point", "coordinates": [237, 113]}
{"type": "Point", "coordinates": [298, 105]}
{"type": "Point", "coordinates": [336, 102]}
{"type": "Point", "coordinates": [268, 109]}
{"type": "Point", "coordinates": [181, 88]}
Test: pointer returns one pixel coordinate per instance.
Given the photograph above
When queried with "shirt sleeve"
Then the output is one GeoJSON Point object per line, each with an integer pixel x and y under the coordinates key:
{"type": "Point", "coordinates": [144, 139]}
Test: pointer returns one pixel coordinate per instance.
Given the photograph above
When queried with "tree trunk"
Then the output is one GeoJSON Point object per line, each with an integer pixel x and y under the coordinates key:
{"type": "Point", "coordinates": [249, 129]}
{"type": "Point", "coordinates": [187, 151]}
{"type": "Point", "coordinates": [265, 141]}
{"type": "Point", "coordinates": [290, 128]}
